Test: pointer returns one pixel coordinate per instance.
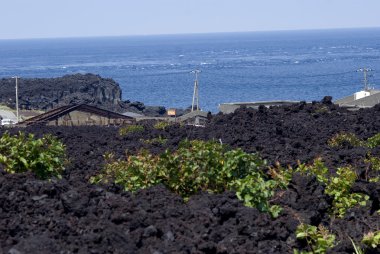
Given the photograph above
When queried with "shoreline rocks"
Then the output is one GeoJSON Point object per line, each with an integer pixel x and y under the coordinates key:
{"type": "Point", "coordinates": [49, 93]}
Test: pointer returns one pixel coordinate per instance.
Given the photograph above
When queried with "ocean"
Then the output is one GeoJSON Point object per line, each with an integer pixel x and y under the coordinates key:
{"type": "Point", "coordinates": [235, 67]}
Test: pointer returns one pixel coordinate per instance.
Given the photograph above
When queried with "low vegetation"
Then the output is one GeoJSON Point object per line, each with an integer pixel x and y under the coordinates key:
{"type": "Point", "coordinates": [23, 152]}
{"type": "Point", "coordinates": [131, 129]}
{"type": "Point", "coordinates": [337, 186]}
{"type": "Point", "coordinates": [198, 166]}
{"type": "Point", "coordinates": [372, 239]}
{"type": "Point", "coordinates": [162, 125]}
{"type": "Point", "coordinates": [154, 141]}
{"type": "Point", "coordinates": [350, 138]}
{"type": "Point", "coordinates": [318, 239]}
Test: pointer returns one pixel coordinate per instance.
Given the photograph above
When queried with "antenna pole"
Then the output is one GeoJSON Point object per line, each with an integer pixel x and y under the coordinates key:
{"type": "Point", "coordinates": [195, 103]}
{"type": "Point", "coordinates": [365, 80]}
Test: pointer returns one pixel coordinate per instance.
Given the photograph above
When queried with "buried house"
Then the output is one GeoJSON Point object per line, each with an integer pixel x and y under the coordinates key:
{"type": "Point", "coordinates": [77, 115]}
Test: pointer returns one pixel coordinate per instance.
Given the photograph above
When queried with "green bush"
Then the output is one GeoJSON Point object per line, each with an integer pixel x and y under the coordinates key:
{"type": "Point", "coordinates": [373, 163]}
{"type": "Point", "coordinates": [131, 129]}
{"type": "Point", "coordinates": [341, 138]}
{"type": "Point", "coordinates": [197, 166]}
{"type": "Point", "coordinates": [372, 239]}
{"type": "Point", "coordinates": [20, 153]}
{"type": "Point", "coordinates": [338, 187]}
{"type": "Point", "coordinates": [159, 141]}
{"type": "Point", "coordinates": [319, 240]}
{"type": "Point", "coordinates": [161, 125]}
{"type": "Point", "coordinates": [374, 141]}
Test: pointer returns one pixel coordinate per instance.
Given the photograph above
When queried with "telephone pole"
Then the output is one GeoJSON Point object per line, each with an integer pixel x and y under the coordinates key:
{"type": "Point", "coordinates": [195, 103]}
{"type": "Point", "coordinates": [17, 110]}
{"type": "Point", "coordinates": [365, 80]}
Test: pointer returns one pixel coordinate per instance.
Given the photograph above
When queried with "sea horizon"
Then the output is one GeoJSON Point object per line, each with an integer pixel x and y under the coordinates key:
{"type": "Point", "coordinates": [238, 66]}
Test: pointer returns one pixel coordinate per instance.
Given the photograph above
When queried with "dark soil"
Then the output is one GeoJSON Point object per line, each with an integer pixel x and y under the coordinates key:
{"type": "Point", "coordinates": [72, 216]}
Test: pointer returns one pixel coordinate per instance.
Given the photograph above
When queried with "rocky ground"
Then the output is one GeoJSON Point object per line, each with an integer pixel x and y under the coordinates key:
{"type": "Point", "coordinates": [72, 216]}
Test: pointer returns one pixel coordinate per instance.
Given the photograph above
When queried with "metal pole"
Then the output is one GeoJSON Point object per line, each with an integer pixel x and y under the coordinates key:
{"type": "Point", "coordinates": [195, 93]}
{"type": "Point", "coordinates": [17, 110]}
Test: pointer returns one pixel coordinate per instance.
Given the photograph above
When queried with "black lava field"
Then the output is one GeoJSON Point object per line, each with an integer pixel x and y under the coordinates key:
{"type": "Point", "coordinates": [70, 215]}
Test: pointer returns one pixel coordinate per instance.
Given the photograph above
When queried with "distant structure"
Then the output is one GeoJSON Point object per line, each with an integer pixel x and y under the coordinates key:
{"type": "Point", "coordinates": [227, 108]}
{"type": "Point", "coordinates": [195, 104]}
{"type": "Point", "coordinates": [196, 118]}
{"type": "Point", "coordinates": [77, 115]}
{"type": "Point", "coordinates": [366, 98]}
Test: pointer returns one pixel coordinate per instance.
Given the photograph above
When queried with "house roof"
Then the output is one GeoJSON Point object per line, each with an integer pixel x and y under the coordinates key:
{"type": "Point", "coordinates": [58, 112]}
{"type": "Point", "coordinates": [132, 114]}
{"type": "Point", "coordinates": [6, 114]}
{"type": "Point", "coordinates": [193, 114]}
{"type": "Point", "coordinates": [368, 101]}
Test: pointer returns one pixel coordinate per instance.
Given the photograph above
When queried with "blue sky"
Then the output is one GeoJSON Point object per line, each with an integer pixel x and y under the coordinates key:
{"type": "Point", "coordinates": [78, 18]}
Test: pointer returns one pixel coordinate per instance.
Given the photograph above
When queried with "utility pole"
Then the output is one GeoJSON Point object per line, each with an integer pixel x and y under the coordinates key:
{"type": "Point", "coordinates": [17, 110]}
{"type": "Point", "coordinates": [196, 93]}
{"type": "Point", "coordinates": [365, 80]}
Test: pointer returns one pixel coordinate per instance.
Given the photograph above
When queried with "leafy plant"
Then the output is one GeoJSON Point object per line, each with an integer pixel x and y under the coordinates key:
{"type": "Point", "coordinates": [161, 125]}
{"type": "Point", "coordinates": [197, 166]}
{"type": "Point", "coordinates": [373, 141]}
{"type": "Point", "coordinates": [319, 240]}
{"type": "Point", "coordinates": [160, 141]}
{"type": "Point", "coordinates": [339, 188]}
{"type": "Point", "coordinates": [341, 138]}
{"type": "Point", "coordinates": [131, 129]}
{"type": "Point", "coordinates": [372, 239]}
{"type": "Point", "coordinates": [374, 164]}
{"type": "Point", "coordinates": [317, 169]}
{"type": "Point", "coordinates": [20, 153]}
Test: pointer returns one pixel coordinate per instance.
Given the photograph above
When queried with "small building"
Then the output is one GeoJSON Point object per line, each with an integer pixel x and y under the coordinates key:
{"type": "Point", "coordinates": [77, 115]}
{"type": "Point", "coordinates": [8, 116]}
{"type": "Point", "coordinates": [171, 112]}
{"type": "Point", "coordinates": [227, 108]}
{"type": "Point", "coordinates": [196, 118]}
{"type": "Point", "coordinates": [363, 99]}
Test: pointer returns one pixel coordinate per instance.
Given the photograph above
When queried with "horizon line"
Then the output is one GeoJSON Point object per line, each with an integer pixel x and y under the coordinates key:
{"type": "Point", "coordinates": [190, 33]}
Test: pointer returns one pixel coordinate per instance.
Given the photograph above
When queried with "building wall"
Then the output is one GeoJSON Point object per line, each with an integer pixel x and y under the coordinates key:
{"type": "Point", "coordinates": [77, 118]}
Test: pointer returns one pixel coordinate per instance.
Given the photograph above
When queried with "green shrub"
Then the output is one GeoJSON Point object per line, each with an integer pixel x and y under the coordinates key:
{"type": "Point", "coordinates": [338, 187]}
{"type": "Point", "coordinates": [197, 166]}
{"type": "Point", "coordinates": [161, 125]}
{"type": "Point", "coordinates": [374, 141]}
{"type": "Point", "coordinates": [159, 141]}
{"type": "Point", "coordinates": [372, 239]}
{"type": "Point", "coordinates": [374, 164]}
{"type": "Point", "coordinates": [317, 169]}
{"type": "Point", "coordinates": [319, 240]}
{"type": "Point", "coordinates": [20, 153]}
{"type": "Point", "coordinates": [131, 129]}
{"type": "Point", "coordinates": [341, 138]}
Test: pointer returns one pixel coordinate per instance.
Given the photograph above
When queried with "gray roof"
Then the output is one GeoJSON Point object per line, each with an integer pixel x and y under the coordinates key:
{"type": "Point", "coordinates": [227, 108]}
{"type": "Point", "coordinates": [5, 114]}
{"type": "Point", "coordinates": [193, 114]}
{"type": "Point", "coordinates": [368, 101]}
{"type": "Point", "coordinates": [132, 114]}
